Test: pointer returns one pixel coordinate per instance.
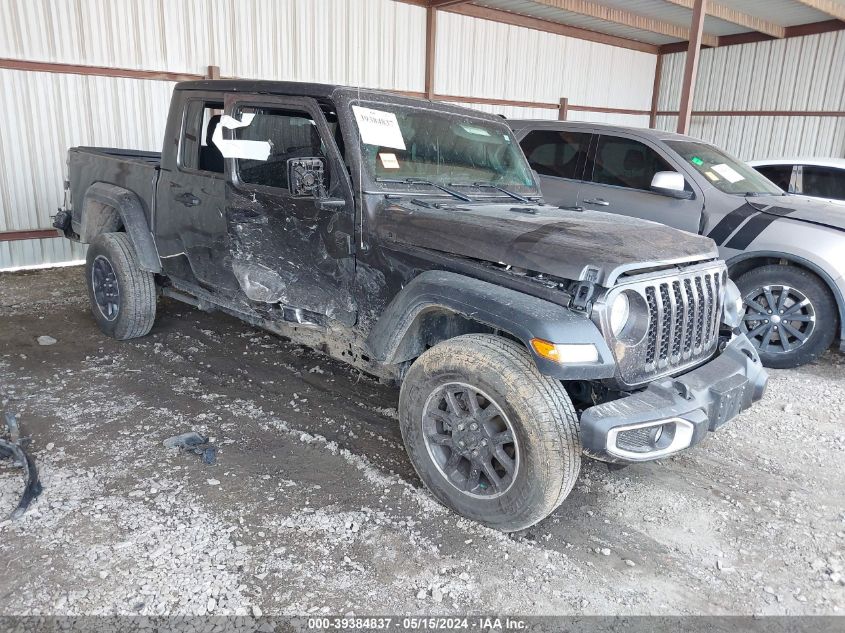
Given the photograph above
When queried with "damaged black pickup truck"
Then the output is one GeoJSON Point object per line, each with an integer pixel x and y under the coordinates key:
{"type": "Point", "coordinates": [409, 239]}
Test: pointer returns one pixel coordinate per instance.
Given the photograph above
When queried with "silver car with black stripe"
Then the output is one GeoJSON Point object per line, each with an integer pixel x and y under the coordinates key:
{"type": "Point", "coordinates": [786, 252]}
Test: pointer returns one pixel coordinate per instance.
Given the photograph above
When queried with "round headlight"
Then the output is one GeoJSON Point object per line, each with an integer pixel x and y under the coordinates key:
{"type": "Point", "coordinates": [620, 310]}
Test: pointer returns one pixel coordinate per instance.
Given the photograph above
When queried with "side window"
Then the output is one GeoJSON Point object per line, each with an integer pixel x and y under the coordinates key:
{"type": "Point", "coordinates": [556, 153]}
{"type": "Point", "coordinates": [198, 150]}
{"type": "Point", "coordinates": [290, 134]}
{"type": "Point", "coordinates": [625, 162]}
{"type": "Point", "coordinates": [823, 182]}
{"type": "Point", "coordinates": [781, 175]}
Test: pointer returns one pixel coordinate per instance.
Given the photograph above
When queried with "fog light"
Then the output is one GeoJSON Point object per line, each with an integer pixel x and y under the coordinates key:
{"type": "Point", "coordinates": [565, 353]}
{"type": "Point", "coordinates": [649, 440]}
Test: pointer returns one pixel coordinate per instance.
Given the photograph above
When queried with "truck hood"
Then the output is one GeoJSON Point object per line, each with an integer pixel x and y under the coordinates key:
{"type": "Point", "coordinates": [830, 213]}
{"type": "Point", "coordinates": [576, 245]}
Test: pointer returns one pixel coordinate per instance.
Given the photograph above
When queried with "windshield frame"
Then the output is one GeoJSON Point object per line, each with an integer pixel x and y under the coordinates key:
{"type": "Point", "coordinates": [731, 162]}
{"type": "Point", "coordinates": [364, 173]}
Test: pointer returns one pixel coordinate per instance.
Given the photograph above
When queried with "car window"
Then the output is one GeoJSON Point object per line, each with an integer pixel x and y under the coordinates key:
{"type": "Point", "coordinates": [824, 182]}
{"type": "Point", "coordinates": [198, 152]}
{"type": "Point", "coordinates": [624, 162]}
{"type": "Point", "coordinates": [284, 134]}
{"type": "Point", "coordinates": [726, 173]}
{"type": "Point", "coordinates": [781, 175]}
{"type": "Point", "coordinates": [556, 153]}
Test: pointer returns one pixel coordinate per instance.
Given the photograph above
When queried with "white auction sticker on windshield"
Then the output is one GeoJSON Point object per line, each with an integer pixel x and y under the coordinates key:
{"type": "Point", "coordinates": [728, 173]}
{"type": "Point", "coordinates": [389, 161]}
{"type": "Point", "coordinates": [378, 127]}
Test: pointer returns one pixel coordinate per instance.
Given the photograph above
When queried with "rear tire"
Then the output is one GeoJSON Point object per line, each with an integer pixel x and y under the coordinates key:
{"type": "Point", "coordinates": [784, 342]}
{"type": "Point", "coordinates": [123, 297]}
{"type": "Point", "coordinates": [523, 458]}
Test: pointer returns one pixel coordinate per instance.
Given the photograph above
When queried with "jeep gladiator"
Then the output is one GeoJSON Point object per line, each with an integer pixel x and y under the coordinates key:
{"type": "Point", "coordinates": [409, 239]}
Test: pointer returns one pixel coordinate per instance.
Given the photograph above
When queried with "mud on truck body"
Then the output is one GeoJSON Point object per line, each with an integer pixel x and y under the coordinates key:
{"type": "Point", "coordinates": [409, 239]}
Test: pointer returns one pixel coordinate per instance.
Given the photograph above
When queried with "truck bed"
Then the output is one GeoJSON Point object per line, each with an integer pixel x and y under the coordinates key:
{"type": "Point", "coordinates": [134, 170]}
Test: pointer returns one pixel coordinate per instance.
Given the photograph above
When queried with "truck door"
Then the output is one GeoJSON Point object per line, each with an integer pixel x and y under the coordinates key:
{"type": "Point", "coordinates": [289, 207]}
{"type": "Point", "coordinates": [190, 227]}
{"type": "Point", "coordinates": [558, 157]}
{"type": "Point", "coordinates": [618, 178]}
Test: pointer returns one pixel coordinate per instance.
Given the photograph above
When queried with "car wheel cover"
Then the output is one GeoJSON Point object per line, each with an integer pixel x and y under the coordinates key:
{"type": "Point", "coordinates": [105, 287]}
{"type": "Point", "coordinates": [778, 319]}
{"type": "Point", "coordinates": [470, 440]}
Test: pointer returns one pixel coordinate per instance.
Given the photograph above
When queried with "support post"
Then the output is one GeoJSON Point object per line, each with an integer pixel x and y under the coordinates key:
{"type": "Point", "coordinates": [691, 65]}
{"type": "Point", "coordinates": [430, 52]}
{"type": "Point", "coordinates": [655, 92]}
{"type": "Point", "coordinates": [563, 110]}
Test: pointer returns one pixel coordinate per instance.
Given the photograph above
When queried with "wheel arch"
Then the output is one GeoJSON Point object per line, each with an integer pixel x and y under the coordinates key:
{"type": "Point", "coordinates": [439, 305]}
{"type": "Point", "coordinates": [107, 208]}
{"type": "Point", "coordinates": [744, 262]}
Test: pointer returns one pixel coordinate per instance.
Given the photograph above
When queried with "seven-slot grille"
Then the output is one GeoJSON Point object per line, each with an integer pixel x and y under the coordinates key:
{"type": "Point", "coordinates": [684, 319]}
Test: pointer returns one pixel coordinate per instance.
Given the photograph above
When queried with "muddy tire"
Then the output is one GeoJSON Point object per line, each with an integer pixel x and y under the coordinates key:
{"type": "Point", "coordinates": [790, 315]}
{"type": "Point", "coordinates": [123, 297]}
{"type": "Point", "coordinates": [491, 437]}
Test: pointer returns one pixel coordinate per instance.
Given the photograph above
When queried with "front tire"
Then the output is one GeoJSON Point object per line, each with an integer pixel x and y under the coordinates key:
{"type": "Point", "coordinates": [790, 315]}
{"type": "Point", "coordinates": [123, 297]}
{"type": "Point", "coordinates": [491, 437]}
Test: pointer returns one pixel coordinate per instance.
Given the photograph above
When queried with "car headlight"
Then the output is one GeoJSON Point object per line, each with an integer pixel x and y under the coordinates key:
{"type": "Point", "coordinates": [620, 311]}
{"type": "Point", "coordinates": [734, 306]}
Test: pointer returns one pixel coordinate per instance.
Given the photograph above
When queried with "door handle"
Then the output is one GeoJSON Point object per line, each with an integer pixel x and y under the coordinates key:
{"type": "Point", "coordinates": [598, 202]}
{"type": "Point", "coordinates": [188, 199]}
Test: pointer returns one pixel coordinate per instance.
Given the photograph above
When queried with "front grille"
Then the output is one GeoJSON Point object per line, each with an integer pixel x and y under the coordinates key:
{"type": "Point", "coordinates": [683, 326]}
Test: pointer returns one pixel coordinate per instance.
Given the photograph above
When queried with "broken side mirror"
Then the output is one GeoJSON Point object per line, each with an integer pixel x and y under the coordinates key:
{"type": "Point", "coordinates": [307, 177]}
{"type": "Point", "coordinates": [670, 183]}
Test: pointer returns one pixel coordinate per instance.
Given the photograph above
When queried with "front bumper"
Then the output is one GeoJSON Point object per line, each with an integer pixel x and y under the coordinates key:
{"type": "Point", "coordinates": [676, 412]}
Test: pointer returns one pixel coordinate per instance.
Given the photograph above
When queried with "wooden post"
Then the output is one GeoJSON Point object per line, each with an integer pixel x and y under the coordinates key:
{"type": "Point", "coordinates": [563, 110]}
{"type": "Point", "coordinates": [213, 72]}
{"type": "Point", "coordinates": [430, 52]}
{"type": "Point", "coordinates": [655, 92]}
{"type": "Point", "coordinates": [691, 66]}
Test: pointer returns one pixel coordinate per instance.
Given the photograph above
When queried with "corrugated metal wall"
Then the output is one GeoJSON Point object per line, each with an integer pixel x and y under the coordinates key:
{"type": "Point", "coordinates": [374, 43]}
{"type": "Point", "coordinates": [499, 61]}
{"type": "Point", "coordinates": [802, 73]}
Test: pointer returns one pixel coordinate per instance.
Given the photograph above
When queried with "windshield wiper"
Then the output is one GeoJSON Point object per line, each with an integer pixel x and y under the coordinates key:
{"type": "Point", "coordinates": [513, 195]}
{"type": "Point", "coordinates": [423, 181]}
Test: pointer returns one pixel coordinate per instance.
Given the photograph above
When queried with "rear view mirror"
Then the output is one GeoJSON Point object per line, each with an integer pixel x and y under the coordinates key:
{"type": "Point", "coordinates": [670, 183]}
{"type": "Point", "coordinates": [307, 177]}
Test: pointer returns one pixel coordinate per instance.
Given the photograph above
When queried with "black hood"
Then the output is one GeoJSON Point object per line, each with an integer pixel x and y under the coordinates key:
{"type": "Point", "coordinates": [568, 244]}
{"type": "Point", "coordinates": [829, 213]}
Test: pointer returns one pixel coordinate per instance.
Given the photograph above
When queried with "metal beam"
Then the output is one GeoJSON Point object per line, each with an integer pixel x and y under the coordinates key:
{"type": "Point", "coordinates": [655, 92]}
{"type": "Point", "coordinates": [430, 50]}
{"type": "Point", "coordinates": [626, 18]}
{"type": "Point", "coordinates": [691, 65]}
{"type": "Point", "coordinates": [729, 14]}
{"type": "Point", "coordinates": [439, 4]}
{"type": "Point", "coordinates": [831, 7]}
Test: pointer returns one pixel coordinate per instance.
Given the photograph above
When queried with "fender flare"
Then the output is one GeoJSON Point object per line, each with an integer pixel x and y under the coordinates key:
{"type": "Point", "coordinates": [396, 337]}
{"type": "Point", "coordinates": [129, 213]}
{"type": "Point", "coordinates": [809, 265]}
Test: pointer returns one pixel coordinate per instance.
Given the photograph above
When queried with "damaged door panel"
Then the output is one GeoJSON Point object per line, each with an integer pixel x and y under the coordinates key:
{"type": "Point", "coordinates": [191, 227]}
{"type": "Point", "coordinates": [289, 208]}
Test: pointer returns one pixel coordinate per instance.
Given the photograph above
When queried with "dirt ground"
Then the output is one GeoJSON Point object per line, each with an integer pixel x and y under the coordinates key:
{"type": "Point", "coordinates": [314, 508]}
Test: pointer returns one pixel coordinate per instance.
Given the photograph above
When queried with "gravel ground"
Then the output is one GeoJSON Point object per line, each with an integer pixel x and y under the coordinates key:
{"type": "Point", "coordinates": [313, 506]}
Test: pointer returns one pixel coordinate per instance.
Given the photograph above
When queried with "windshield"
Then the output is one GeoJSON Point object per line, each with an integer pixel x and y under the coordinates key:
{"type": "Point", "coordinates": [403, 143]}
{"type": "Point", "coordinates": [725, 172]}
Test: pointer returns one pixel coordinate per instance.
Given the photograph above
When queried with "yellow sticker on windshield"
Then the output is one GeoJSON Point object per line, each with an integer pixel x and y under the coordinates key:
{"type": "Point", "coordinates": [389, 161]}
{"type": "Point", "coordinates": [711, 176]}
